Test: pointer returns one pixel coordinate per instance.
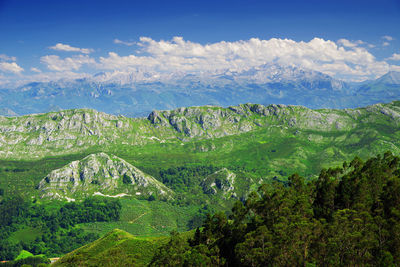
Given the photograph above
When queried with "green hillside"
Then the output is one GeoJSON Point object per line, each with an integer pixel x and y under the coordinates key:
{"type": "Point", "coordinates": [117, 248]}
{"type": "Point", "coordinates": [167, 171]}
{"type": "Point", "coordinates": [348, 216]}
{"type": "Point", "coordinates": [72, 131]}
{"type": "Point", "coordinates": [100, 174]}
{"type": "Point", "coordinates": [255, 142]}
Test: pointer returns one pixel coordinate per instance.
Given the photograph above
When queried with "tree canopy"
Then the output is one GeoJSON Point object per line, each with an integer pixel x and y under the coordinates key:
{"type": "Point", "coordinates": [348, 216]}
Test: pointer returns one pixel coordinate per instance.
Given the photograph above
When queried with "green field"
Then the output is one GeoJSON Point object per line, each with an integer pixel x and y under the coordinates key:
{"type": "Point", "coordinates": [146, 218]}
{"type": "Point", "coordinates": [117, 248]}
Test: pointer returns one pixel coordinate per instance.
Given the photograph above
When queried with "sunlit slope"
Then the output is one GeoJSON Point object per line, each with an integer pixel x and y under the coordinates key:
{"type": "Point", "coordinates": [73, 131]}
{"type": "Point", "coordinates": [117, 248]}
{"type": "Point", "coordinates": [100, 174]}
{"type": "Point", "coordinates": [254, 142]}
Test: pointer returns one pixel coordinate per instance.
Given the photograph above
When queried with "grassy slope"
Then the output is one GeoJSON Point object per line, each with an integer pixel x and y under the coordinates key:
{"type": "Point", "coordinates": [146, 218]}
{"type": "Point", "coordinates": [27, 234]}
{"type": "Point", "coordinates": [24, 254]}
{"type": "Point", "coordinates": [117, 248]}
{"type": "Point", "coordinates": [261, 154]}
{"type": "Point", "coordinates": [22, 176]}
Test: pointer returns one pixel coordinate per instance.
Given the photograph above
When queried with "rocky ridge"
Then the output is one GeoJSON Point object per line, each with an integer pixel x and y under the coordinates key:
{"type": "Point", "coordinates": [72, 131]}
{"type": "Point", "coordinates": [100, 174]}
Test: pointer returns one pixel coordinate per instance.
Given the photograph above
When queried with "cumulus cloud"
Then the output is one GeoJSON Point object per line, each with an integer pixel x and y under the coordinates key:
{"type": "Point", "coordinates": [347, 43]}
{"type": "Point", "coordinates": [395, 68]}
{"type": "Point", "coordinates": [117, 41]}
{"type": "Point", "coordinates": [8, 64]}
{"type": "Point", "coordinates": [68, 48]}
{"type": "Point", "coordinates": [394, 57]}
{"type": "Point", "coordinates": [35, 70]}
{"type": "Point", "coordinates": [385, 44]}
{"type": "Point", "coordinates": [4, 57]}
{"type": "Point", "coordinates": [56, 63]}
{"type": "Point", "coordinates": [10, 67]}
{"type": "Point", "coordinates": [345, 60]}
{"type": "Point", "coordinates": [53, 76]}
{"type": "Point", "coordinates": [387, 38]}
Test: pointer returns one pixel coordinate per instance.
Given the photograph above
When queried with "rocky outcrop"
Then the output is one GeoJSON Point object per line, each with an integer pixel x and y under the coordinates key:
{"type": "Point", "coordinates": [221, 181]}
{"type": "Point", "coordinates": [100, 174]}
{"type": "Point", "coordinates": [73, 131]}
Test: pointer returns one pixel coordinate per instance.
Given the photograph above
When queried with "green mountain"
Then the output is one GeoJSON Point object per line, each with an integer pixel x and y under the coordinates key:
{"type": "Point", "coordinates": [73, 131]}
{"type": "Point", "coordinates": [117, 248]}
{"type": "Point", "coordinates": [171, 167]}
{"type": "Point", "coordinates": [339, 219]}
{"type": "Point", "coordinates": [100, 174]}
{"type": "Point", "coordinates": [348, 216]}
{"type": "Point", "coordinates": [257, 143]}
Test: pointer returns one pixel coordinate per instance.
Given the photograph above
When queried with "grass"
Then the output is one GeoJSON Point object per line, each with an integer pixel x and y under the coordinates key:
{"type": "Point", "coordinates": [23, 254]}
{"type": "Point", "coordinates": [117, 248]}
{"type": "Point", "coordinates": [146, 218]}
{"type": "Point", "coordinates": [27, 234]}
{"type": "Point", "coordinates": [21, 177]}
{"type": "Point", "coordinates": [261, 155]}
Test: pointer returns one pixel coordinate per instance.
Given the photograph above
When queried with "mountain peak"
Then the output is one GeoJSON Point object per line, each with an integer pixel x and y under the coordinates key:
{"type": "Point", "coordinates": [392, 77]}
{"type": "Point", "coordinates": [103, 175]}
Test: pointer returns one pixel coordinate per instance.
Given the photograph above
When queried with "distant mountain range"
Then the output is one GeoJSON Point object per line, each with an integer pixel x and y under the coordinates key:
{"type": "Point", "coordinates": [138, 93]}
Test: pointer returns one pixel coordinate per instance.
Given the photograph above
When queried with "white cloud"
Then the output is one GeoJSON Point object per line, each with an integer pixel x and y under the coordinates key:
{"type": "Point", "coordinates": [394, 57]}
{"type": "Point", "coordinates": [8, 64]}
{"type": "Point", "coordinates": [4, 57]}
{"type": "Point", "coordinates": [395, 68]}
{"type": "Point", "coordinates": [3, 80]}
{"type": "Point", "coordinates": [347, 43]}
{"type": "Point", "coordinates": [387, 38]}
{"type": "Point", "coordinates": [117, 41]}
{"type": "Point", "coordinates": [36, 70]}
{"type": "Point", "coordinates": [114, 61]}
{"type": "Point", "coordinates": [179, 55]}
{"type": "Point", "coordinates": [53, 76]}
{"type": "Point", "coordinates": [56, 63]}
{"type": "Point", "coordinates": [10, 67]}
{"type": "Point", "coordinates": [68, 48]}
{"type": "Point", "coordinates": [151, 59]}
{"type": "Point", "coordinates": [385, 44]}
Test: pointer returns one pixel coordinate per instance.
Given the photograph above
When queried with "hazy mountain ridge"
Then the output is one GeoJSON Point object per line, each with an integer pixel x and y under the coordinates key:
{"type": "Point", "coordinates": [137, 93]}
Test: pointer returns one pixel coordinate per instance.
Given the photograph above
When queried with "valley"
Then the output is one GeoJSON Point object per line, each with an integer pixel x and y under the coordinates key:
{"type": "Point", "coordinates": [170, 169]}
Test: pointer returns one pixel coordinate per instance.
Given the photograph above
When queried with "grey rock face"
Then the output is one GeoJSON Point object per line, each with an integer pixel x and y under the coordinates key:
{"type": "Point", "coordinates": [72, 131]}
{"type": "Point", "coordinates": [220, 181]}
{"type": "Point", "coordinates": [100, 174]}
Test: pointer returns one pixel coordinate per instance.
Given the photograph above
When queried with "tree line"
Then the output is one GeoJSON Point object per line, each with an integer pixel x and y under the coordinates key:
{"type": "Point", "coordinates": [349, 216]}
{"type": "Point", "coordinates": [57, 226]}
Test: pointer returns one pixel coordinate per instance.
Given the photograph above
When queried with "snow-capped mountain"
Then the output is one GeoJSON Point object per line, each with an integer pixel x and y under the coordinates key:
{"type": "Point", "coordinates": [138, 92]}
{"type": "Point", "coordinates": [267, 73]}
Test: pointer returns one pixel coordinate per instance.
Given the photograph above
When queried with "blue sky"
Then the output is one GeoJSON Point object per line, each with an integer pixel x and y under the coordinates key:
{"type": "Point", "coordinates": [367, 29]}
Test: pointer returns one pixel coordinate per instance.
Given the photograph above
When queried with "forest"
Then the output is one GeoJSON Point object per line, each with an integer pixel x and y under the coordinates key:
{"type": "Point", "coordinates": [349, 216]}
{"type": "Point", "coordinates": [56, 224]}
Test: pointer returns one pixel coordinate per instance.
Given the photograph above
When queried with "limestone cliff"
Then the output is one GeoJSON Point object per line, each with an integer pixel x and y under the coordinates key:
{"type": "Point", "coordinates": [100, 174]}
